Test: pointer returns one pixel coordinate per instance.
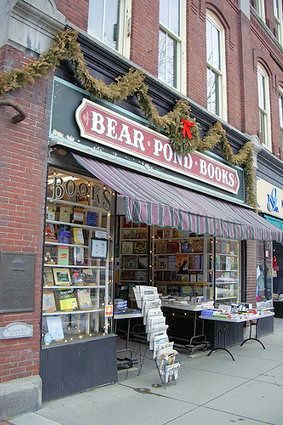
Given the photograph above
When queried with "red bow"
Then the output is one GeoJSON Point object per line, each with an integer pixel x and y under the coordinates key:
{"type": "Point", "coordinates": [187, 128]}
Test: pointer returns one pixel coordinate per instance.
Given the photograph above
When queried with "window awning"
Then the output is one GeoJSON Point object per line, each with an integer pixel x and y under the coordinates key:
{"type": "Point", "coordinates": [275, 221]}
{"type": "Point", "coordinates": [154, 202]}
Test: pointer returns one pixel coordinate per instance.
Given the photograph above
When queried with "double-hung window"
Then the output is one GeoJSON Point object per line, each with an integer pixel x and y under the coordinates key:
{"type": "Point", "coordinates": [109, 21]}
{"type": "Point", "coordinates": [277, 7]}
{"type": "Point", "coordinates": [171, 53]}
{"type": "Point", "coordinates": [260, 9]}
{"type": "Point", "coordinates": [264, 106]}
{"type": "Point", "coordinates": [216, 69]}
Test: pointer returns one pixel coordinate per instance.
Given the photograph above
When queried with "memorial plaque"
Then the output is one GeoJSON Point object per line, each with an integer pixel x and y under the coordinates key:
{"type": "Point", "coordinates": [16, 330]}
{"type": "Point", "coordinates": [17, 276]}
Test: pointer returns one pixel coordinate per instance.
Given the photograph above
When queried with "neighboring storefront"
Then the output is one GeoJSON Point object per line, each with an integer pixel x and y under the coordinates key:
{"type": "Point", "coordinates": [270, 204]}
{"type": "Point", "coordinates": [107, 167]}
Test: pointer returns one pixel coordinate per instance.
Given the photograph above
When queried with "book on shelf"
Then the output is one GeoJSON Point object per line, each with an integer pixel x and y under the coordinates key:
{"type": "Point", "coordinates": [89, 278]}
{"type": "Point", "coordinates": [79, 256]}
{"type": "Point", "coordinates": [48, 278]}
{"type": "Point", "coordinates": [55, 328]}
{"type": "Point", "coordinates": [128, 275]}
{"type": "Point", "coordinates": [126, 223]}
{"type": "Point", "coordinates": [61, 276]}
{"type": "Point", "coordinates": [67, 300]}
{"type": "Point", "coordinates": [51, 212]}
{"type": "Point", "coordinates": [78, 216]}
{"type": "Point", "coordinates": [168, 233]}
{"type": "Point", "coordinates": [142, 262]}
{"type": "Point", "coordinates": [48, 302]}
{"type": "Point", "coordinates": [65, 214]}
{"type": "Point", "coordinates": [186, 247]}
{"type": "Point", "coordinates": [196, 262]}
{"type": "Point", "coordinates": [91, 218]}
{"type": "Point", "coordinates": [162, 263]}
{"type": "Point", "coordinates": [140, 247]}
{"type": "Point", "coordinates": [78, 277]}
{"type": "Point", "coordinates": [158, 233]}
{"type": "Point", "coordinates": [127, 233]}
{"type": "Point", "coordinates": [63, 255]}
{"type": "Point", "coordinates": [172, 247]}
{"type": "Point", "coordinates": [160, 246]}
{"type": "Point", "coordinates": [141, 233]}
{"type": "Point", "coordinates": [127, 248]}
{"type": "Point", "coordinates": [172, 262]}
{"type": "Point", "coordinates": [78, 236]}
{"type": "Point", "coordinates": [182, 263]}
{"type": "Point", "coordinates": [64, 234]}
{"type": "Point", "coordinates": [84, 300]}
{"type": "Point", "coordinates": [130, 262]}
{"type": "Point", "coordinates": [50, 232]}
{"type": "Point", "coordinates": [197, 245]}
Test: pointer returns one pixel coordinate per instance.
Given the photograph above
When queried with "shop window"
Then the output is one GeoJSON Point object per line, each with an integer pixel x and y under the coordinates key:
{"type": "Point", "coordinates": [109, 21]}
{"type": "Point", "coordinates": [260, 8]}
{"type": "Point", "coordinates": [216, 69]}
{"type": "Point", "coordinates": [277, 7]}
{"type": "Point", "coordinates": [171, 53]}
{"type": "Point", "coordinates": [78, 259]}
{"type": "Point", "coordinates": [264, 271]}
{"type": "Point", "coordinates": [264, 106]}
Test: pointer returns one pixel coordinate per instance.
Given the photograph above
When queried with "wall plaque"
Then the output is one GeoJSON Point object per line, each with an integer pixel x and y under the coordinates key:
{"type": "Point", "coordinates": [17, 276]}
{"type": "Point", "coordinates": [16, 330]}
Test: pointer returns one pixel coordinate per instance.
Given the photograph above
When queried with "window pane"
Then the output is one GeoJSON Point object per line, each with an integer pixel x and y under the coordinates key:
{"type": "Point", "coordinates": [281, 110]}
{"type": "Point", "coordinates": [261, 91]}
{"type": "Point", "coordinates": [276, 8]}
{"type": "Point", "coordinates": [212, 45]}
{"type": "Point", "coordinates": [263, 126]}
{"type": "Point", "coordinates": [167, 59]}
{"type": "Point", "coordinates": [212, 92]}
{"type": "Point", "coordinates": [103, 20]}
{"type": "Point", "coordinates": [169, 14]}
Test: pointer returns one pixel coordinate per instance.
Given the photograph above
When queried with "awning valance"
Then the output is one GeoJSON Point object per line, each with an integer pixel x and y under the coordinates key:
{"type": "Point", "coordinates": [154, 202]}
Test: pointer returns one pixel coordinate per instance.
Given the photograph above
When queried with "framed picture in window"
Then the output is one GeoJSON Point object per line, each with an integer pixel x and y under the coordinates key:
{"type": "Point", "coordinates": [62, 277]}
{"type": "Point", "coordinates": [99, 248]}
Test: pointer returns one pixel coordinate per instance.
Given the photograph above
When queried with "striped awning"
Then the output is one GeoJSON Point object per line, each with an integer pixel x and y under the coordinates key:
{"type": "Point", "coordinates": [154, 202]}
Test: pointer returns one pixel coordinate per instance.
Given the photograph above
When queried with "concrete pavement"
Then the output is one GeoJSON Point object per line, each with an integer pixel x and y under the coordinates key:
{"type": "Point", "coordinates": [210, 391]}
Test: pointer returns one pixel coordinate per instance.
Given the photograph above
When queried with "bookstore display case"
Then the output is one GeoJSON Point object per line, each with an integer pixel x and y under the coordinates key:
{"type": "Point", "coordinates": [226, 270]}
{"type": "Point", "coordinates": [78, 264]}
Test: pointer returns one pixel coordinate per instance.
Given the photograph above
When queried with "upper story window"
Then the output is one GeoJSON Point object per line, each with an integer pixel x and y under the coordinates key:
{"type": "Point", "coordinates": [171, 54]}
{"type": "Point", "coordinates": [216, 69]}
{"type": "Point", "coordinates": [277, 7]}
{"type": "Point", "coordinates": [264, 106]}
{"type": "Point", "coordinates": [109, 21]}
{"type": "Point", "coordinates": [260, 8]}
{"type": "Point", "coordinates": [281, 118]}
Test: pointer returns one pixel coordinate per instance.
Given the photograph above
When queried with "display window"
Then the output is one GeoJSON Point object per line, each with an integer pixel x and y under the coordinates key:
{"type": "Point", "coordinates": [78, 258]}
{"type": "Point", "coordinates": [265, 271]}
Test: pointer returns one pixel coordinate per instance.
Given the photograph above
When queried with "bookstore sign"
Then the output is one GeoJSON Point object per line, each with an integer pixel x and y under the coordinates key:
{"type": "Point", "coordinates": [113, 130]}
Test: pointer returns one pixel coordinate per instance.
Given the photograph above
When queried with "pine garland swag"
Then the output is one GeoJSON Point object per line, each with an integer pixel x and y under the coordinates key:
{"type": "Point", "coordinates": [66, 47]}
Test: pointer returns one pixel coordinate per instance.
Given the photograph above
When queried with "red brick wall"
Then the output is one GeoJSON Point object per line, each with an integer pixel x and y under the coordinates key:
{"type": "Point", "coordinates": [75, 11]}
{"type": "Point", "coordinates": [23, 162]}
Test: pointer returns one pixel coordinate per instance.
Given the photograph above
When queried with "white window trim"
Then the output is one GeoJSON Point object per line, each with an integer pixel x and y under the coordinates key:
{"type": "Point", "coordinates": [124, 35]}
{"type": "Point", "coordinates": [181, 57]}
{"type": "Point", "coordinates": [279, 21]}
{"type": "Point", "coordinates": [223, 111]}
{"type": "Point", "coordinates": [266, 140]}
{"type": "Point", "coordinates": [260, 9]}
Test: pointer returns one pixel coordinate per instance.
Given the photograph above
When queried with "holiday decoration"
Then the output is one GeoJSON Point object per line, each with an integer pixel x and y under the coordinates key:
{"type": "Point", "coordinates": [177, 124]}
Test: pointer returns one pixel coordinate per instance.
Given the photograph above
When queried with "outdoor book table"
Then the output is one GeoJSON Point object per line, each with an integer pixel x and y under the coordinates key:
{"type": "Point", "coordinates": [198, 340]}
{"type": "Point", "coordinates": [222, 325]}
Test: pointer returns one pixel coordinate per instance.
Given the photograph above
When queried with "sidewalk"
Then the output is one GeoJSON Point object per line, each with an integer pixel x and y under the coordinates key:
{"type": "Point", "coordinates": [210, 391]}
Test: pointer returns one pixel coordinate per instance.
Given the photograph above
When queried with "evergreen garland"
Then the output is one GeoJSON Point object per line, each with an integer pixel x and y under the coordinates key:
{"type": "Point", "coordinates": [66, 47]}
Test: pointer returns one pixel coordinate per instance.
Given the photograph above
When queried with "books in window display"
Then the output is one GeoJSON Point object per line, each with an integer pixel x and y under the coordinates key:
{"type": "Point", "coordinates": [84, 300]}
{"type": "Point", "coordinates": [89, 278]}
{"type": "Point", "coordinates": [48, 302]}
{"type": "Point", "coordinates": [67, 300]}
{"type": "Point", "coordinates": [48, 278]}
{"type": "Point", "coordinates": [127, 248]}
{"type": "Point", "coordinates": [130, 262]}
{"type": "Point", "coordinates": [140, 247]}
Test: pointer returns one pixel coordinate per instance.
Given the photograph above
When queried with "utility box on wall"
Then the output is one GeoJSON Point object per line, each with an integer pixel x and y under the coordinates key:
{"type": "Point", "coordinates": [17, 277]}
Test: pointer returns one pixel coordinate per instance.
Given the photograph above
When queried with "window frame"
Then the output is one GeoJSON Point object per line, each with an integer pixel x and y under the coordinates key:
{"type": "Point", "coordinates": [180, 59]}
{"type": "Point", "coordinates": [222, 71]}
{"type": "Point", "coordinates": [124, 28]}
{"type": "Point", "coordinates": [259, 6]}
{"type": "Point", "coordinates": [278, 20]}
{"type": "Point", "coordinates": [264, 111]}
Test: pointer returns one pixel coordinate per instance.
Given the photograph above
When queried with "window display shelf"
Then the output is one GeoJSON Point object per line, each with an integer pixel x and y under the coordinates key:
{"type": "Point", "coordinates": [82, 226]}
{"type": "Point", "coordinates": [75, 287]}
{"type": "Point", "coordinates": [70, 245]}
{"type": "Point", "coordinates": [73, 204]}
{"type": "Point", "coordinates": [73, 266]}
{"type": "Point", "coordinates": [59, 313]}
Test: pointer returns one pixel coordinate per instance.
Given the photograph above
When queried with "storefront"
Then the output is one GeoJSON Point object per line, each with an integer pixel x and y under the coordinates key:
{"type": "Point", "coordinates": [270, 204]}
{"type": "Point", "coordinates": [124, 209]}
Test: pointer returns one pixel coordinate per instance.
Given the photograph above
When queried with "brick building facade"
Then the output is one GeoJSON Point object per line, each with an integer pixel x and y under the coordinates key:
{"type": "Point", "coordinates": [28, 28]}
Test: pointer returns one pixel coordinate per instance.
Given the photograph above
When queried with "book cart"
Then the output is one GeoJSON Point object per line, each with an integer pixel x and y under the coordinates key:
{"type": "Point", "coordinates": [77, 270]}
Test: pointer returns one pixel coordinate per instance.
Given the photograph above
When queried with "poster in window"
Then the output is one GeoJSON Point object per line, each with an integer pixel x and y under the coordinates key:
{"type": "Point", "coordinates": [99, 248]}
